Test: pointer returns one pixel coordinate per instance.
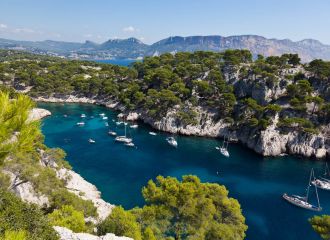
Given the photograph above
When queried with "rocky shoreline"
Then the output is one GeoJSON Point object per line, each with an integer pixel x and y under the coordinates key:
{"type": "Point", "coordinates": [269, 142]}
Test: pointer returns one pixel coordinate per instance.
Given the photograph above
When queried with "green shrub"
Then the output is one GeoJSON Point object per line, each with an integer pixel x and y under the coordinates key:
{"type": "Point", "coordinates": [64, 197]}
{"type": "Point", "coordinates": [68, 217]}
{"type": "Point", "coordinates": [16, 215]}
{"type": "Point", "coordinates": [121, 223]}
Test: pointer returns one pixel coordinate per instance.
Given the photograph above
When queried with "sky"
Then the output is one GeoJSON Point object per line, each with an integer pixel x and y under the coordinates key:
{"type": "Point", "coordinates": [153, 20]}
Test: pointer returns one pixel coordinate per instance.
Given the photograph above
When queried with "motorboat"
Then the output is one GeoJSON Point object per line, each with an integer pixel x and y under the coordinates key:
{"type": "Point", "coordinates": [91, 140]}
{"type": "Point", "coordinates": [130, 144]}
{"type": "Point", "coordinates": [80, 123]}
{"type": "Point", "coordinates": [172, 141]}
{"type": "Point", "coordinates": [104, 118]}
{"type": "Point", "coordinates": [83, 115]}
{"type": "Point", "coordinates": [134, 126]}
{"type": "Point", "coordinates": [112, 133]}
{"type": "Point", "coordinates": [153, 133]}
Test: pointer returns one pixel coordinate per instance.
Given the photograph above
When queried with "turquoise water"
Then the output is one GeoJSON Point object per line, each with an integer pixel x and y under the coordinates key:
{"type": "Point", "coordinates": [120, 172]}
{"type": "Point", "coordinates": [120, 62]}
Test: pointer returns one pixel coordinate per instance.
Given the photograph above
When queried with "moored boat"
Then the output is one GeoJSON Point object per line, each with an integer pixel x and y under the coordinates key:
{"type": "Point", "coordinates": [303, 201]}
{"type": "Point", "coordinates": [80, 123]}
{"type": "Point", "coordinates": [172, 141]}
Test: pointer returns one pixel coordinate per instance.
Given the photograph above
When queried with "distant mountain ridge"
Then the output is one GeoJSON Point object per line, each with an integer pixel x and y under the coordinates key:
{"type": "Point", "coordinates": [308, 49]}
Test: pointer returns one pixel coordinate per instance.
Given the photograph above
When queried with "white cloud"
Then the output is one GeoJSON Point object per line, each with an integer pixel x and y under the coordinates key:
{"type": "Point", "coordinates": [130, 29]}
{"type": "Point", "coordinates": [3, 26]}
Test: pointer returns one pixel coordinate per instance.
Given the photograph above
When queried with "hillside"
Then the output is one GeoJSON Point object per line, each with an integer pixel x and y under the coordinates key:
{"type": "Point", "coordinates": [307, 49]}
{"type": "Point", "coordinates": [273, 105]}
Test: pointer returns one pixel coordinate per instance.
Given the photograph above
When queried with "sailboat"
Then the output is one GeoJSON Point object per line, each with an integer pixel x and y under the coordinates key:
{"type": "Point", "coordinates": [323, 182]}
{"type": "Point", "coordinates": [91, 140]}
{"type": "Point", "coordinates": [224, 148]}
{"type": "Point", "coordinates": [124, 138]}
{"type": "Point", "coordinates": [303, 201]}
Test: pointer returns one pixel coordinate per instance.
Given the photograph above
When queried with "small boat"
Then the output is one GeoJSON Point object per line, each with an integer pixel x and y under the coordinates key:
{"type": "Point", "coordinates": [323, 182]}
{"type": "Point", "coordinates": [134, 126]}
{"type": "Point", "coordinates": [104, 118]}
{"type": "Point", "coordinates": [119, 123]}
{"type": "Point", "coordinates": [112, 133]}
{"type": "Point", "coordinates": [130, 144]}
{"type": "Point", "coordinates": [106, 124]}
{"type": "Point", "coordinates": [113, 120]}
{"type": "Point", "coordinates": [172, 141]}
{"type": "Point", "coordinates": [102, 114]}
{"type": "Point", "coordinates": [65, 115]}
{"type": "Point", "coordinates": [303, 201]}
{"type": "Point", "coordinates": [80, 123]}
{"type": "Point", "coordinates": [91, 140]}
{"type": "Point", "coordinates": [83, 115]}
{"type": "Point", "coordinates": [153, 133]}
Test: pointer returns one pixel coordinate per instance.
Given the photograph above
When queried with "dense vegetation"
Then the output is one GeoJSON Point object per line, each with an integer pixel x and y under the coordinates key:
{"type": "Point", "coordinates": [180, 210]}
{"type": "Point", "coordinates": [21, 152]}
{"type": "Point", "coordinates": [230, 85]}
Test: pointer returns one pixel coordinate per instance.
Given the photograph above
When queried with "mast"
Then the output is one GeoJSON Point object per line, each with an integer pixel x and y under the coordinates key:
{"type": "Point", "coordinates": [317, 195]}
{"type": "Point", "coordinates": [309, 184]}
{"type": "Point", "coordinates": [327, 172]}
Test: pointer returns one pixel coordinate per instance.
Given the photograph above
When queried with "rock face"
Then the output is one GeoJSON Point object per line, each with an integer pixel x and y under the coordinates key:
{"type": "Point", "coordinates": [38, 113]}
{"type": "Point", "coordinates": [66, 234]}
{"type": "Point", "coordinates": [86, 191]}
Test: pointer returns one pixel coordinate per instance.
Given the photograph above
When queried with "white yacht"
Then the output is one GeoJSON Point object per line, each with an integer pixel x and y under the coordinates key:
{"type": "Point", "coordinates": [105, 118]}
{"type": "Point", "coordinates": [172, 141]}
{"type": "Point", "coordinates": [303, 201]}
{"type": "Point", "coordinates": [153, 133]}
{"type": "Point", "coordinates": [102, 114]}
{"type": "Point", "coordinates": [124, 138]}
{"type": "Point", "coordinates": [80, 123]}
{"type": "Point", "coordinates": [83, 115]}
{"type": "Point", "coordinates": [224, 148]}
{"type": "Point", "coordinates": [134, 126]}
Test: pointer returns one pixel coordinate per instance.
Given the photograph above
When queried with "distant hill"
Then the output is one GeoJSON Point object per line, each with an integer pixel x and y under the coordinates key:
{"type": "Point", "coordinates": [308, 49]}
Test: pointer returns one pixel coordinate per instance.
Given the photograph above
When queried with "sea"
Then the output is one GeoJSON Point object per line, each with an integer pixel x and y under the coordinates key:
{"type": "Point", "coordinates": [120, 172]}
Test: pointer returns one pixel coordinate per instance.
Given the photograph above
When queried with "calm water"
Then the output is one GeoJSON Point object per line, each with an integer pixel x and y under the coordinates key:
{"type": "Point", "coordinates": [120, 62]}
{"type": "Point", "coordinates": [120, 172]}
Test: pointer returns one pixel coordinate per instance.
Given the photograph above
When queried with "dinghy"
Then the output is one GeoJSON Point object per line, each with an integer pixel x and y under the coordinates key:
{"type": "Point", "coordinates": [303, 201]}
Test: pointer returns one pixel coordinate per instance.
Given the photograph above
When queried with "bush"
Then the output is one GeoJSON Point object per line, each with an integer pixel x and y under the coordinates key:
{"type": "Point", "coordinates": [68, 217]}
{"type": "Point", "coordinates": [18, 216]}
{"type": "Point", "coordinates": [321, 225]}
{"type": "Point", "coordinates": [121, 223]}
{"type": "Point", "coordinates": [64, 197]}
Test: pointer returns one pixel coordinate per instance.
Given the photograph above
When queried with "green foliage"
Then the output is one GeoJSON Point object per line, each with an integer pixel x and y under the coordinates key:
{"type": "Point", "coordinates": [320, 68]}
{"type": "Point", "coordinates": [235, 57]}
{"type": "Point", "coordinates": [321, 225]}
{"type": "Point", "coordinates": [298, 124]}
{"type": "Point", "coordinates": [15, 235]}
{"type": "Point", "coordinates": [63, 197]}
{"type": "Point", "coordinates": [190, 209]}
{"type": "Point", "coordinates": [121, 223]}
{"type": "Point", "coordinates": [68, 217]}
{"type": "Point", "coordinates": [148, 234]}
{"type": "Point", "coordinates": [18, 216]}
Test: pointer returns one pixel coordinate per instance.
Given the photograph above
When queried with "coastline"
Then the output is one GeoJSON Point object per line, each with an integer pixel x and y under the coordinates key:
{"type": "Point", "coordinates": [269, 143]}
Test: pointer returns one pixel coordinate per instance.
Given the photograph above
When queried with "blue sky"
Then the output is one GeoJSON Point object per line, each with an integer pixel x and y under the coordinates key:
{"type": "Point", "coordinates": [152, 20]}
